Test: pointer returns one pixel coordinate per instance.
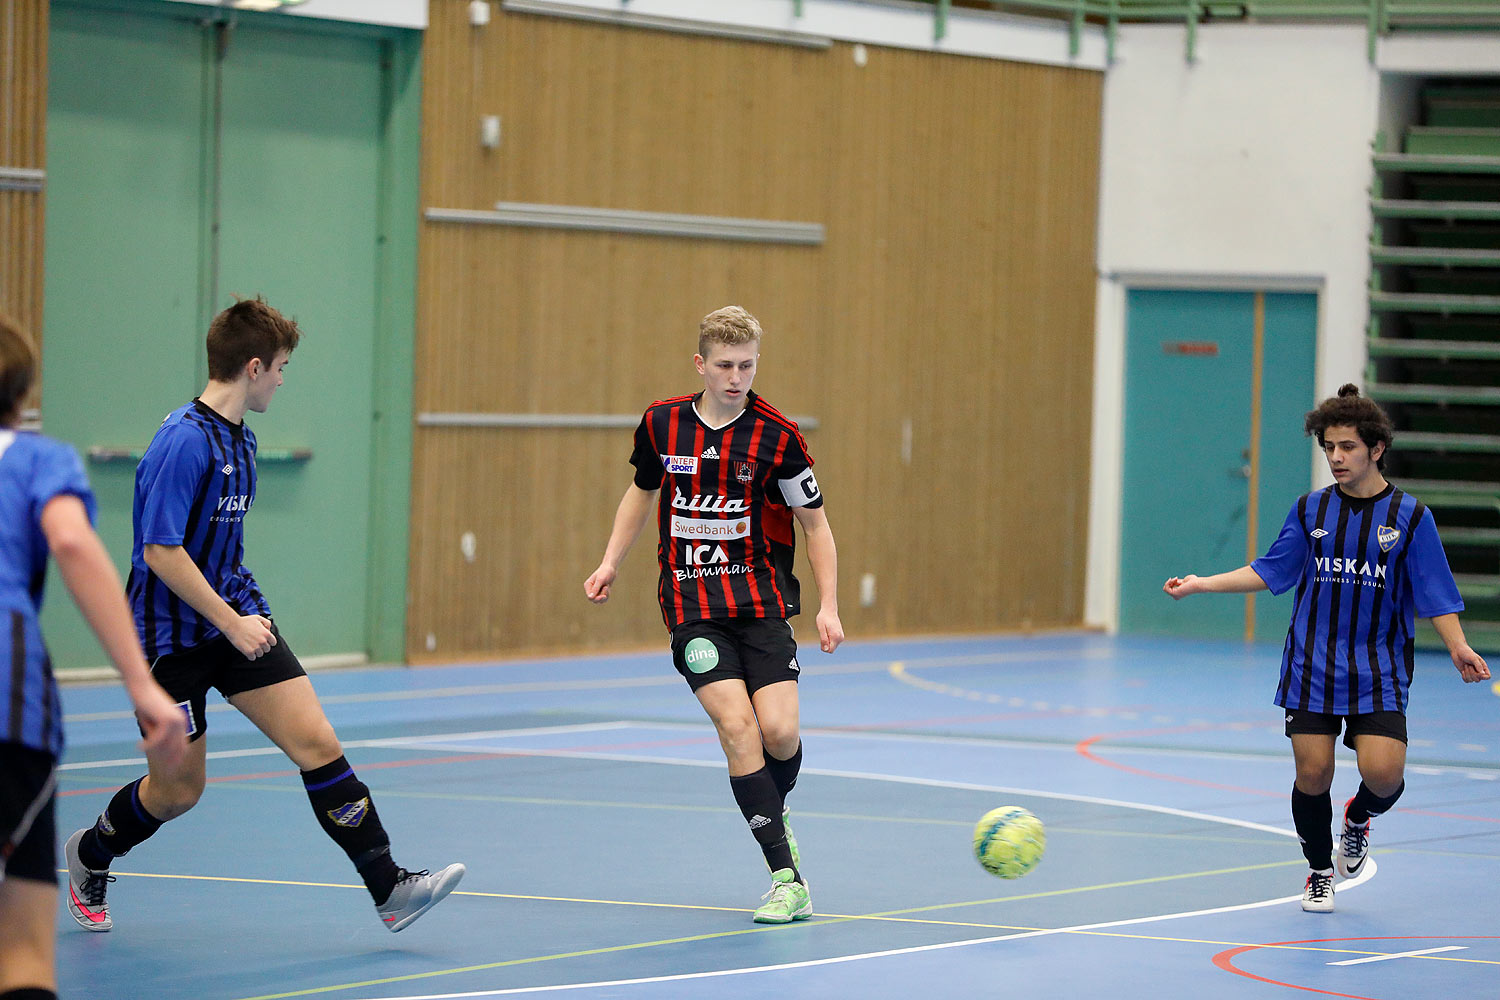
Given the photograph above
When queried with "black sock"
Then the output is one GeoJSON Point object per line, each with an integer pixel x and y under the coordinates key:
{"type": "Point", "coordinates": [784, 772]}
{"type": "Point", "coordinates": [344, 810]}
{"type": "Point", "coordinates": [756, 794]}
{"type": "Point", "coordinates": [28, 993]}
{"type": "Point", "coordinates": [1312, 815]}
{"type": "Point", "coordinates": [1366, 804]}
{"type": "Point", "coordinates": [123, 824]}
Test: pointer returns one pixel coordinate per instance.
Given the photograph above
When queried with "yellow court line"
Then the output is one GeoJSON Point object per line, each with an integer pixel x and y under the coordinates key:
{"type": "Point", "coordinates": [891, 916]}
{"type": "Point", "coordinates": [956, 824]}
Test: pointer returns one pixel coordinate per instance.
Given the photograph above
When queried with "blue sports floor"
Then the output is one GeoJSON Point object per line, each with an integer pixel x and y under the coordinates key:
{"type": "Point", "coordinates": [606, 857]}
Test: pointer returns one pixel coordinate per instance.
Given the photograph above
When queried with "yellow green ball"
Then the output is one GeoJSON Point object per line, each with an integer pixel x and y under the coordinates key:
{"type": "Point", "coordinates": [1009, 841]}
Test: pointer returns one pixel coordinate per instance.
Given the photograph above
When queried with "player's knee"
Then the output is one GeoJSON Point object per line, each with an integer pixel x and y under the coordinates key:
{"type": "Point", "coordinates": [738, 733]}
{"type": "Point", "coordinates": [170, 799]}
{"type": "Point", "coordinates": [780, 738]}
{"type": "Point", "coordinates": [1384, 782]}
{"type": "Point", "coordinates": [315, 748]}
{"type": "Point", "coordinates": [1314, 779]}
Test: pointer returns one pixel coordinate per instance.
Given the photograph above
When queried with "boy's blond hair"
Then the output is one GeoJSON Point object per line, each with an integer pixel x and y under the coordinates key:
{"type": "Point", "coordinates": [730, 326]}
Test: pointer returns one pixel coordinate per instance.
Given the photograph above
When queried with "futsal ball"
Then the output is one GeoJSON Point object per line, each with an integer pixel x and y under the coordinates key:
{"type": "Point", "coordinates": [1009, 841]}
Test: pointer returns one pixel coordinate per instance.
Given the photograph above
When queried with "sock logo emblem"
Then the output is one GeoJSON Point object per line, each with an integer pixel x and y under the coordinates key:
{"type": "Point", "coordinates": [350, 814]}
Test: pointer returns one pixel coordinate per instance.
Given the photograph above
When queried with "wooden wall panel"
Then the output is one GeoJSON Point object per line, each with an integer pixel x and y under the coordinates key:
{"type": "Point", "coordinates": [955, 292]}
{"type": "Point", "coordinates": [23, 108]}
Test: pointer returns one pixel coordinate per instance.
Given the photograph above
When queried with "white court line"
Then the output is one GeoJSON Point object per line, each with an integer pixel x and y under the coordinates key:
{"type": "Point", "coordinates": [1404, 954]}
{"type": "Point", "coordinates": [442, 743]}
{"type": "Point", "coordinates": [421, 742]}
{"type": "Point", "coordinates": [664, 679]}
{"type": "Point", "coordinates": [811, 963]}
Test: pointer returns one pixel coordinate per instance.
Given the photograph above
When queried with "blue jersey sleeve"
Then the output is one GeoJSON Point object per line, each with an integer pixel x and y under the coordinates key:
{"type": "Point", "coordinates": [59, 472]}
{"type": "Point", "coordinates": [1434, 591]}
{"type": "Point", "coordinates": [170, 478]}
{"type": "Point", "coordinates": [1284, 563]}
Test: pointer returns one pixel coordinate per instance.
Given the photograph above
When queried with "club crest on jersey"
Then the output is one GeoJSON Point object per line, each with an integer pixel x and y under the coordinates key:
{"type": "Point", "coordinates": [350, 813]}
{"type": "Point", "coordinates": [1387, 537]}
{"type": "Point", "coordinates": [687, 464]}
{"type": "Point", "coordinates": [744, 471]}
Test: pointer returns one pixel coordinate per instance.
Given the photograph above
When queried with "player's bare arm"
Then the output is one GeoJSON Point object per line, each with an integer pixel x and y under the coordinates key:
{"type": "Point", "coordinates": [1240, 581]}
{"type": "Point", "coordinates": [91, 578]}
{"type": "Point", "coordinates": [822, 553]}
{"type": "Point", "coordinates": [1471, 666]}
{"type": "Point", "coordinates": [250, 634]}
{"type": "Point", "coordinates": [630, 518]}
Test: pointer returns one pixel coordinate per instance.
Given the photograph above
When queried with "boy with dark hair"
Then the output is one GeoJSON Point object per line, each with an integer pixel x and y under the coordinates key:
{"type": "Point", "coordinates": [740, 474]}
{"type": "Point", "coordinates": [46, 506]}
{"type": "Point", "coordinates": [205, 623]}
{"type": "Point", "coordinates": [1366, 560]}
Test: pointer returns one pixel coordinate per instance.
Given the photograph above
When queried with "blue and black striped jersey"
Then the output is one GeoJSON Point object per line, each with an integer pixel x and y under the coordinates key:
{"type": "Point", "coordinates": [1364, 568]}
{"type": "Point", "coordinates": [33, 471]}
{"type": "Point", "coordinates": [193, 488]}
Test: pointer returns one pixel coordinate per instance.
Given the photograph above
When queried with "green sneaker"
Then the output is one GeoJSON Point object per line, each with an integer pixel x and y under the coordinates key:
{"type": "Point", "coordinates": [791, 838]}
{"type": "Point", "coordinates": [788, 900]}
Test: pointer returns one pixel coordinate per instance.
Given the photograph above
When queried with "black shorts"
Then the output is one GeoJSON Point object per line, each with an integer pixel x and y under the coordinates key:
{"type": "Point", "coordinates": [188, 675]}
{"type": "Point", "coordinates": [1392, 724]}
{"type": "Point", "coordinates": [758, 651]}
{"type": "Point", "coordinates": [28, 825]}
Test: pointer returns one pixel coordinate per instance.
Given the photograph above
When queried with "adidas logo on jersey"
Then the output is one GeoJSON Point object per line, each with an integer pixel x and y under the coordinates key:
{"type": "Point", "coordinates": [710, 452]}
{"type": "Point", "coordinates": [758, 821]}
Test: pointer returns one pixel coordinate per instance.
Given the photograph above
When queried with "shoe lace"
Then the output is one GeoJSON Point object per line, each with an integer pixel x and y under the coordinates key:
{"type": "Point", "coordinates": [402, 875]}
{"type": "Point", "coordinates": [1355, 839]}
{"type": "Point", "coordinates": [1318, 885]}
{"type": "Point", "coordinates": [779, 893]}
{"type": "Point", "coordinates": [95, 884]}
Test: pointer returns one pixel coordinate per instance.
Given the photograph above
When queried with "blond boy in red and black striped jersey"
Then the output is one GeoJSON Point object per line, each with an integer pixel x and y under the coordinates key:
{"type": "Point", "coordinates": [728, 474]}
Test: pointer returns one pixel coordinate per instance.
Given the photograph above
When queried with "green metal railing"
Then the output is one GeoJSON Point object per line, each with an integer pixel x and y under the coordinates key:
{"type": "Point", "coordinates": [1381, 17]}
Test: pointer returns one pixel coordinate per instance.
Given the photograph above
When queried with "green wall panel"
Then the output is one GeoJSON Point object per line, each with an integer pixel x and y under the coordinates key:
{"type": "Point", "coordinates": [301, 138]}
{"type": "Point", "coordinates": [1185, 497]}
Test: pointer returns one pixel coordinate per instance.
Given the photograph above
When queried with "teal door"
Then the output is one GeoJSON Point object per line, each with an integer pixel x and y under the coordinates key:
{"type": "Point", "coordinates": [160, 127]}
{"type": "Point", "coordinates": [1192, 451]}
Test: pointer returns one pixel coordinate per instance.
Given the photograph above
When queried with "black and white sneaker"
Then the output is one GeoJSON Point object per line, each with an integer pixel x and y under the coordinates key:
{"type": "Point", "coordinates": [1354, 847]}
{"type": "Point", "coordinates": [1317, 894]}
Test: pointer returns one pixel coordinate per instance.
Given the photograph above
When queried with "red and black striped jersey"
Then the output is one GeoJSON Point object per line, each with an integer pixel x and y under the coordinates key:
{"type": "Point", "coordinates": [727, 495]}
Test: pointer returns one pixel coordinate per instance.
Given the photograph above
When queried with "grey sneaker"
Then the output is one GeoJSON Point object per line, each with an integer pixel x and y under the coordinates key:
{"type": "Point", "coordinates": [416, 893]}
{"type": "Point", "coordinates": [791, 838]}
{"type": "Point", "coordinates": [86, 888]}
{"type": "Point", "coordinates": [1317, 894]}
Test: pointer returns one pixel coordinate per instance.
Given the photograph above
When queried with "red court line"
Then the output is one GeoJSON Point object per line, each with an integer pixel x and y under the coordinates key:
{"type": "Point", "coordinates": [1085, 748]}
{"type": "Point", "coordinates": [373, 766]}
{"type": "Point", "coordinates": [1225, 959]}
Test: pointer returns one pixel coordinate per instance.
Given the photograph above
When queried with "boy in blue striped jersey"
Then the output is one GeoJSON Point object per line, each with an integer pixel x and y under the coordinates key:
{"type": "Point", "coordinates": [47, 507]}
{"type": "Point", "coordinates": [205, 623]}
{"type": "Point", "coordinates": [1366, 561]}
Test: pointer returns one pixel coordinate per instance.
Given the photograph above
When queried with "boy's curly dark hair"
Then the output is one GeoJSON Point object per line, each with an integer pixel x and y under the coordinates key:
{"type": "Point", "coordinates": [1350, 409]}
